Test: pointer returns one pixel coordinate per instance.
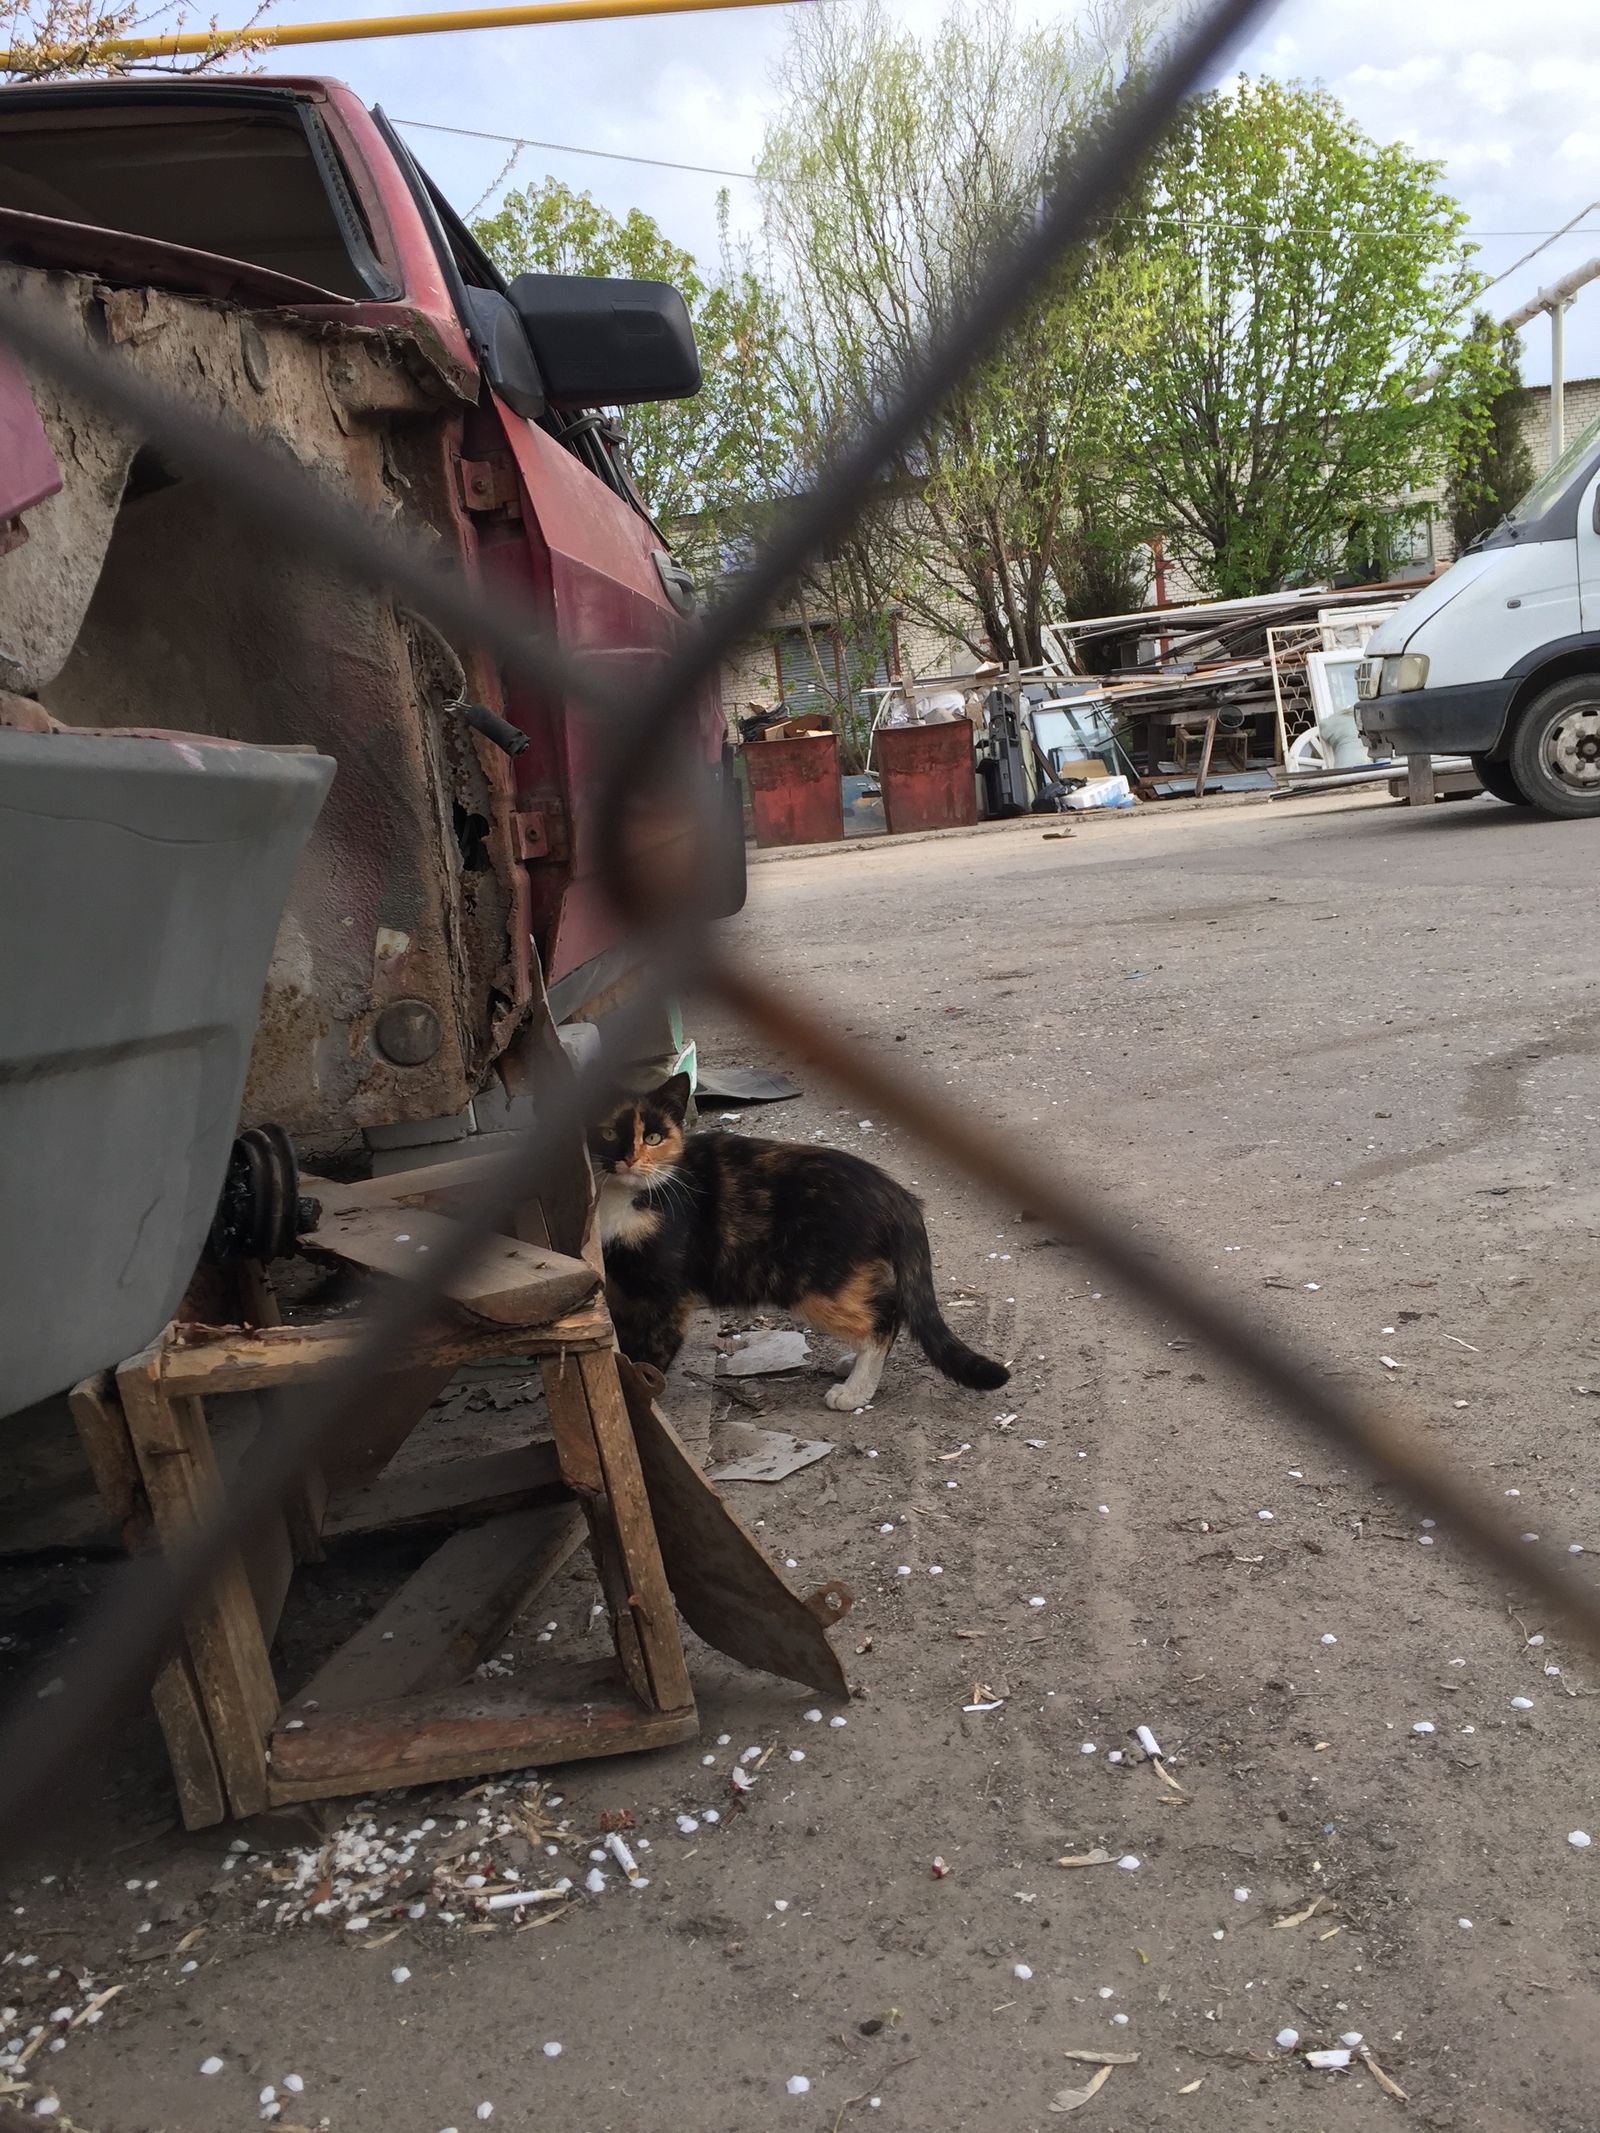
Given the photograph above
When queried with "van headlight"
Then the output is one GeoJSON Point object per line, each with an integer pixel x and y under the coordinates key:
{"type": "Point", "coordinates": [1392, 676]}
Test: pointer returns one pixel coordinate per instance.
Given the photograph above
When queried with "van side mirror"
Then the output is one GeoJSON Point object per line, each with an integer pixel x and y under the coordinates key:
{"type": "Point", "coordinates": [602, 343]}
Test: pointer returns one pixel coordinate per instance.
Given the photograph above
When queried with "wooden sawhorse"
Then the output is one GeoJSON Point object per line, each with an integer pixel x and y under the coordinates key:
{"type": "Point", "coordinates": [399, 1704]}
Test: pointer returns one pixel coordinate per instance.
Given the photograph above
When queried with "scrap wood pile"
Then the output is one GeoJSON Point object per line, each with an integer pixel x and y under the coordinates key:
{"type": "Point", "coordinates": [1208, 696]}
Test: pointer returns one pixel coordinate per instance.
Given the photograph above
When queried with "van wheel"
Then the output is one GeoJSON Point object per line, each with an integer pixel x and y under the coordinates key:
{"type": "Point", "coordinates": [1496, 778]}
{"type": "Point", "coordinates": [1555, 752]}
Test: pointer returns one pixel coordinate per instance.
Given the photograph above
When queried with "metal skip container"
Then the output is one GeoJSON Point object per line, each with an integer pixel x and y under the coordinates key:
{"type": "Point", "coordinates": [142, 879]}
{"type": "Point", "coordinates": [928, 776]}
{"type": "Point", "coordinates": [795, 795]}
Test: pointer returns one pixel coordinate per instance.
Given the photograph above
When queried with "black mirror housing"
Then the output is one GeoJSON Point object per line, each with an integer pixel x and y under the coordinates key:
{"type": "Point", "coordinates": [502, 348]}
{"type": "Point", "coordinates": [604, 343]}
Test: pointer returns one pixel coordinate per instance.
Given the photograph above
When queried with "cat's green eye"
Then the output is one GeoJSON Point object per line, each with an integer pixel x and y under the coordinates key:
{"type": "Point", "coordinates": [652, 1140]}
{"type": "Point", "coordinates": [607, 1133]}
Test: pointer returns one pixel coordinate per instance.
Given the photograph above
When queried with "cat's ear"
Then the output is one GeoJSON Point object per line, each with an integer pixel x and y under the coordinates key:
{"type": "Point", "coordinates": [674, 1096]}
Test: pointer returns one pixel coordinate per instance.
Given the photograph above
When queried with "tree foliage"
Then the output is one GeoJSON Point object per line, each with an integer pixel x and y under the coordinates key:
{"type": "Point", "coordinates": [707, 466]}
{"type": "Point", "coordinates": [895, 166]}
{"type": "Point", "coordinates": [1491, 467]}
{"type": "Point", "coordinates": [1299, 286]}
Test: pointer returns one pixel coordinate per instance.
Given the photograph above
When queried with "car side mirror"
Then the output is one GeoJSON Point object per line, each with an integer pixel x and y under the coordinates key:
{"type": "Point", "coordinates": [604, 343]}
{"type": "Point", "coordinates": [502, 349]}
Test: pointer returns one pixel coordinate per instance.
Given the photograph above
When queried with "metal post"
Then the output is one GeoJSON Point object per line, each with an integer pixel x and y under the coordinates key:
{"type": "Point", "coordinates": [1558, 338]}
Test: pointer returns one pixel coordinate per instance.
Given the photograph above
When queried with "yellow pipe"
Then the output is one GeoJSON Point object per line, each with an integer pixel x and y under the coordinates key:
{"type": "Point", "coordinates": [470, 18]}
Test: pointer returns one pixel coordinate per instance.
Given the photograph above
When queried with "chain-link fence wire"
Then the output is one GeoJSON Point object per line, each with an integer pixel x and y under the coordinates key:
{"type": "Point", "coordinates": [44, 1736]}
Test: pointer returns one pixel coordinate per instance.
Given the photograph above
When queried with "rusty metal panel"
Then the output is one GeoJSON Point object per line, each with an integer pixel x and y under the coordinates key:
{"type": "Point", "coordinates": [727, 1590]}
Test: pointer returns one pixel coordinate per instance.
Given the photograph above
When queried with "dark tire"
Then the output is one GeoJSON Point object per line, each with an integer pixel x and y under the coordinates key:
{"type": "Point", "coordinates": [1555, 752]}
{"type": "Point", "coordinates": [1496, 778]}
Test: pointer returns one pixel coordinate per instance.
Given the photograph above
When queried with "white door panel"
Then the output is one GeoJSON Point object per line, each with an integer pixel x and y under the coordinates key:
{"type": "Point", "coordinates": [1589, 555]}
{"type": "Point", "coordinates": [1527, 596]}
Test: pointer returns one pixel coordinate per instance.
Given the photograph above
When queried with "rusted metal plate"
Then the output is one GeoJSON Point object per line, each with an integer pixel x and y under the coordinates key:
{"type": "Point", "coordinates": [564, 1714]}
{"type": "Point", "coordinates": [727, 1590]}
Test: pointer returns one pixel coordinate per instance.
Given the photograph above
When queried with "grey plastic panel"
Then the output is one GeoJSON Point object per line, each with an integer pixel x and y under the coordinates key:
{"type": "Point", "coordinates": [141, 885]}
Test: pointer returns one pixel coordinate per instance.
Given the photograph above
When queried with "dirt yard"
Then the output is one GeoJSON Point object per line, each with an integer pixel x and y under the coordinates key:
{"type": "Point", "coordinates": [1334, 1055]}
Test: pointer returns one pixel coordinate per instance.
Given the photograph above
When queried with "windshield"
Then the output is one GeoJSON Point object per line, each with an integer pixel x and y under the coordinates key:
{"type": "Point", "coordinates": [1549, 486]}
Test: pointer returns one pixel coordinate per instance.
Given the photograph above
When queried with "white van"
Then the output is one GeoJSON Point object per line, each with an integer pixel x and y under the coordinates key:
{"type": "Point", "coordinates": [1500, 658]}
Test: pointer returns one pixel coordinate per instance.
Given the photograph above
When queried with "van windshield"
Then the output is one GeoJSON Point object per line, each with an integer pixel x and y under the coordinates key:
{"type": "Point", "coordinates": [1550, 485]}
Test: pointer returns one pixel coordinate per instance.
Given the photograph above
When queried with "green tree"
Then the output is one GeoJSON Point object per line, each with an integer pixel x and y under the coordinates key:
{"type": "Point", "coordinates": [896, 164]}
{"type": "Point", "coordinates": [1491, 467]}
{"type": "Point", "coordinates": [706, 467]}
{"type": "Point", "coordinates": [1293, 371]}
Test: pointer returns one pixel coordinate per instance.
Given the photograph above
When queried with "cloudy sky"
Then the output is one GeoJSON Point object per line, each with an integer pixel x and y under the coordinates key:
{"type": "Point", "coordinates": [1507, 98]}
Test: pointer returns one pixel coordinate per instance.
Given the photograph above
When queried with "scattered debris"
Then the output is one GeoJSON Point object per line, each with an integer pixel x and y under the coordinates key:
{"type": "Point", "coordinates": [1148, 1742]}
{"type": "Point", "coordinates": [762, 1354]}
{"type": "Point", "coordinates": [1326, 2061]}
{"type": "Point", "coordinates": [940, 1870]}
{"type": "Point", "coordinates": [1386, 2082]}
{"type": "Point", "coordinates": [1075, 2099]}
{"type": "Point", "coordinates": [773, 1454]}
{"type": "Point", "coordinates": [1097, 1857]}
{"type": "Point", "coordinates": [1298, 1918]}
{"type": "Point", "coordinates": [1095, 2058]}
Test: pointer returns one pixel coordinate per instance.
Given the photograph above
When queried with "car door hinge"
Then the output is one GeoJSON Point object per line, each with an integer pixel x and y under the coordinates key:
{"type": "Point", "coordinates": [539, 833]}
{"type": "Point", "coordinates": [489, 484]}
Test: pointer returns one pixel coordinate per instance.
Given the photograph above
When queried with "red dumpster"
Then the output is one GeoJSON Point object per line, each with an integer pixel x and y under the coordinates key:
{"type": "Point", "coordinates": [794, 789]}
{"type": "Point", "coordinates": [927, 775]}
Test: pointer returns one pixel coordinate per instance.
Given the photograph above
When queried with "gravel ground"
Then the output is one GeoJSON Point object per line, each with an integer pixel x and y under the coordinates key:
{"type": "Point", "coordinates": [1336, 1057]}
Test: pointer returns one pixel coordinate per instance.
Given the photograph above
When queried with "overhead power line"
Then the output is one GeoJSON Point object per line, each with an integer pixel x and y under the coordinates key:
{"type": "Point", "coordinates": [566, 148]}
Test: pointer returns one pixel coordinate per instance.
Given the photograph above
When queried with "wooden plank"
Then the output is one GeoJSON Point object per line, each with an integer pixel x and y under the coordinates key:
{"type": "Point", "coordinates": [581, 1470]}
{"type": "Point", "coordinates": [440, 1623]}
{"type": "Point", "coordinates": [506, 1282]}
{"type": "Point", "coordinates": [240, 1428]}
{"type": "Point", "coordinates": [180, 1712]}
{"type": "Point", "coordinates": [1205, 757]}
{"type": "Point", "coordinates": [103, 1433]}
{"type": "Point", "coordinates": [391, 1407]}
{"type": "Point", "coordinates": [566, 1714]}
{"type": "Point", "coordinates": [224, 1636]}
{"type": "Point", "coordinates": [730, 1591]}
{"type": "Point", "coordinates": [97, 1410]}
{"type": "Point", "coordinates": [457, 1493]}
{"type": "Point", "coordinates": [207, 1359]}
{"type": "Point", "coordinates": [649, 1596]}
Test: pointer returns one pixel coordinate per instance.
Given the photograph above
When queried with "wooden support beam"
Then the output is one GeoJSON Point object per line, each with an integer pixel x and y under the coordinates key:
{"type": "Point", "coordinates": [565, 1715]}
{"type": "Point", "coordinates": [441, 1622]}
{"type": "Point", "coordinates": [581, 1470]}
{"type": "Point", "coordinates": [229, 1652]}
{"type": "Point", "coordinates": [180, 1712]}
{"type": "Point", "coordinates": [103, 1433]}
{"type": "Point", "coordinates": [207, 1359]}
{"type": "Point", "coordinates": [457, 1493]}
{"type": "Point", "coordinates": [649, 1597]}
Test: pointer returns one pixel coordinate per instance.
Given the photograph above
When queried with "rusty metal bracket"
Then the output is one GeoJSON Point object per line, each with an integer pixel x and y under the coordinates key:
{"type": "Point", "coordinates": [488, 484]}
{"type": "Point", "coordinates": [539, 833]}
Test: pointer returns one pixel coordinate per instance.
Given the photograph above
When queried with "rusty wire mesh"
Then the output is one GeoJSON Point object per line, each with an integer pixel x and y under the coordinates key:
{"type": "Point", "coordinates": [655, 876]}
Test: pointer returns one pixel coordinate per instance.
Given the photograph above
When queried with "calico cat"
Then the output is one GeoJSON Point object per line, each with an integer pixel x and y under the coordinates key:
{"type": "Point", "coordinates": [717, 1219]}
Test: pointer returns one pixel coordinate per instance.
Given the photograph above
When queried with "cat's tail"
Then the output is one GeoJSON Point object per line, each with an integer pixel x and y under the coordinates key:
{"type": "Point", "coordinates": [926, 1322]}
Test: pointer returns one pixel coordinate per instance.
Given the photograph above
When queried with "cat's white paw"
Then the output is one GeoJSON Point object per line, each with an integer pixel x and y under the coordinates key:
{"type": "Point", "coordinates": [839, 1399]}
